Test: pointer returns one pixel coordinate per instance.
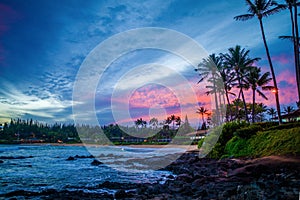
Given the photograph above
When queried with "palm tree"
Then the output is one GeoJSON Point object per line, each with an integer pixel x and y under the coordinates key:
{"type": "Point", "coordinates": [260, 110]}
{"type": "Point", "coordinates": [208, 70]}
{"type": "Point", "coordinates": [173, 119]}
{"type": "Point", "coordinates": [238, 59]}
{"type": "Point", "coordinates": [202, 111]}
{"type": "Point", "coordinates": [140, 122]}
{"type": "Point", "coordinates": [255, 80]}
{"type": "Point", "coordinates": [272, 112]}
{"type": "Point", "coordinates": [291, 5]}
{"type": "Point", "coordinates": [153, 122]}
{"type": "Point", "coordinates": [288, 109]}
{"type": "Point", "coordinates": [260, 9]}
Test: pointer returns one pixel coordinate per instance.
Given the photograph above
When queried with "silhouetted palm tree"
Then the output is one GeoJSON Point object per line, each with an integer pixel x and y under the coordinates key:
{"type": "Point", "coordinates": [238, 60]}
{"type": "Point", "coordinates": [208, 70]}
{"type": "Point", "coordinates": [288, 109]}
{"type": "Point", "coordinates": [202, 111]}
{"type": "Point", "coordinates": [272, 112]}
{"type": "Point", "coordinates": [260, 9]}
{"type": "Point", "coordinates": [140, 122]}
{"type": "Point", "coordinates": [291, 5]}
{"type": "Point", "coordinates": [153, 122]}
{"type": "Point", "coordinates": [174, 119]}
{"type": "Point", "coordinates": [255, 80]}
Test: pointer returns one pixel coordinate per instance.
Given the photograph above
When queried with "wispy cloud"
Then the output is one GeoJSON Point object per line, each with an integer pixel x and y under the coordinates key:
{"type": "Point", "coordinates": [15, 103]}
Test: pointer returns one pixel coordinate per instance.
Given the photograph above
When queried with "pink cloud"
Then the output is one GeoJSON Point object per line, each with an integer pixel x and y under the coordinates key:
{"type": "Point", "coordinates": [283, 59]}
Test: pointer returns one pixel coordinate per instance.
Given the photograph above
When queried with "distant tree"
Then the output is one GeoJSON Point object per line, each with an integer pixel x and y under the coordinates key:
{"type": "Point", "coordinates": [174, 120]}
{"type": "Point", "coordinates": [140, 123]}
{"type": "Point", "coordinates": [272, 112]}
{"type": "Point", "coordinates": [288, 109]}
{"type": "Point", "coordinates": [202, 111]}
{"type": "Point", "coordinates": [153, 122]}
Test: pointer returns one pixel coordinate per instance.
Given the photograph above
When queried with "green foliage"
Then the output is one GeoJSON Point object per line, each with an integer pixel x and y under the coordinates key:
{"type": "Point", "coordinates": [284, 126]}
{"type": "Point", "coordinates": [265, 143]}
{"type": "Point", "coordinates": [247, 132]}
{"type": "Point", "coordinates": [215, 141]}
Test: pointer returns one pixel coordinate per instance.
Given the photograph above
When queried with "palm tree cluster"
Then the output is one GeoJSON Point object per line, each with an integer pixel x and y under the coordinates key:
{"type": "Point", "coordinates": [265, 8]}
{"type": "Point", "coordinates": [234, 69]}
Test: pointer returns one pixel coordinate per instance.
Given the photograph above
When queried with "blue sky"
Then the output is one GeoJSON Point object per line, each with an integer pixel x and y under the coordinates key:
{"type": "Point", "coordinates": [43, 44]}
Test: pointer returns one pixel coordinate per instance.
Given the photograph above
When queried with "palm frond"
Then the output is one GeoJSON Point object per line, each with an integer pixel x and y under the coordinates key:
{"type": "Point", "coordinates": [273, 11]}
{"type": "Point", "coordinates": [244, 17]}
{"type": "Point", "coordinates": [261, 94]}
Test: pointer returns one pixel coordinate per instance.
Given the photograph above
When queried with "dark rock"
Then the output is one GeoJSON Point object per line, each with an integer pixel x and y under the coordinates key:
{"type": "Point", "coordinates": [121, 194]}
{"type": "Point", "coordinates": [96, 162]}
{"type": "Point", "coordinates": [1, 161]}
{"type": "Point", "coordinates": [184, 177]}
{"type": "Point", "coordinates": [71, 158]}
{"type": "Point", "coordinates": [14, 157]}
{"type": "Point", "coordinates": [170, 176]}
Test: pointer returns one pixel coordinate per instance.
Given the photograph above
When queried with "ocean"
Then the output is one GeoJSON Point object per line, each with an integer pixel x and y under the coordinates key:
{"type": "Point", "coordinates": [41, 167]}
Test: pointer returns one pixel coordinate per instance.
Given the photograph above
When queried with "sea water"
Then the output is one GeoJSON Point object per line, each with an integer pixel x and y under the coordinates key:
{"type": "Point", "coordinates": [41, 167]}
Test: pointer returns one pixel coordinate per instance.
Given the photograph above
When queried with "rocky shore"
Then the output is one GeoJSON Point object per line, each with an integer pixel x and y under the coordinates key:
{"type": "Point", "coordinates": [273, 177]}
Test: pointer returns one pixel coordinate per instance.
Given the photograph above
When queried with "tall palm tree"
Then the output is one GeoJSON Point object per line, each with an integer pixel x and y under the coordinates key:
{"type": "Point", "coordinates": [255, 79]}
{"type": "Point", "coordinates": [272, 112]}
{"type": "Point", "coordinates": [202, 111]}
{"type": "Point", "coordinates": [208, 70]}
{"type": "Point", "coordinates": [260, 9]}
{"type": "Point", "coordinates": [291, 5]}
{"type": "Point", "coordinates": [238, 59]}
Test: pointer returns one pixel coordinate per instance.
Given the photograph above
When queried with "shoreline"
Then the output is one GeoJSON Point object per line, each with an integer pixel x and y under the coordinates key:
{"type": "Point", "coordinates": [187, 147]}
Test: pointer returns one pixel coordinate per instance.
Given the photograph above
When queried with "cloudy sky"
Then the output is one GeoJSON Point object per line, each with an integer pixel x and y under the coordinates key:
{"type": "Point", "coordinates": [43, 45]}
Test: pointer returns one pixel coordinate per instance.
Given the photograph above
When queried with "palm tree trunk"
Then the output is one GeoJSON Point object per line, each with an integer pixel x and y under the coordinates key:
{"type": "Point", "coordinates": [272, 70]}
{"type": "Point", "coordinates": [253, 106]}
{"type": "Point", "coordinates": [243, 97]}
{"type": "Point", "coordinates": [216, 101]}
{"type": "Point", "coordinates": [229, 105]}
{"type": "Point", "coordinates": [296, 46]}
{"type": "Point", "coordinates": [245, 106]}
{"type": "Point", "coordinates": [221, 107]}
{"type": "Point", "coordinates": [237, 106]}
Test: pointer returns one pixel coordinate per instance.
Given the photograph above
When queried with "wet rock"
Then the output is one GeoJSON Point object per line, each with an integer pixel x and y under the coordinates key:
{"type": "Point", "coordinates": [71, 158]}
{"type": "Point", "coordinates": [121, 194]}
{"type": "Point", "coordinates": [90, 156]}
{"type": "Point", "coordinates": [14, 157]}
{"type": "Point", "coordinates": [96, 162]}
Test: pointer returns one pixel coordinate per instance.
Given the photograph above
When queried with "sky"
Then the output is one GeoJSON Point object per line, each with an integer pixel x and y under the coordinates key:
{"type": "Point", "coordinates": [44, 44]}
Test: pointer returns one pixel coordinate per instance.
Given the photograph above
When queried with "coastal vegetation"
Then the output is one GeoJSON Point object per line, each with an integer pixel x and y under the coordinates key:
{"type": "Point", "coordinates": [241, 139]}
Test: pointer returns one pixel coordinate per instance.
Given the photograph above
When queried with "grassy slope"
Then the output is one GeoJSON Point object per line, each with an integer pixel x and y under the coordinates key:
{"type": "Point", "coordinates": [265, 143]}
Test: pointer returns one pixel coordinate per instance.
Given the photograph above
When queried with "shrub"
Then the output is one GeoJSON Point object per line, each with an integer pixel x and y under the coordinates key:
{"type": "Point", "coordinates": [284, 126]}
{"type": "Point", "coordinates": [247, 132]}
{"type": "Point", "coordinates": [222, 136]}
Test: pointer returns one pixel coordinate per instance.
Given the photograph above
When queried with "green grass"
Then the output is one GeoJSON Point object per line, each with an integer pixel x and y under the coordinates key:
{"type": "Point", "coordinates": [265, 143]}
